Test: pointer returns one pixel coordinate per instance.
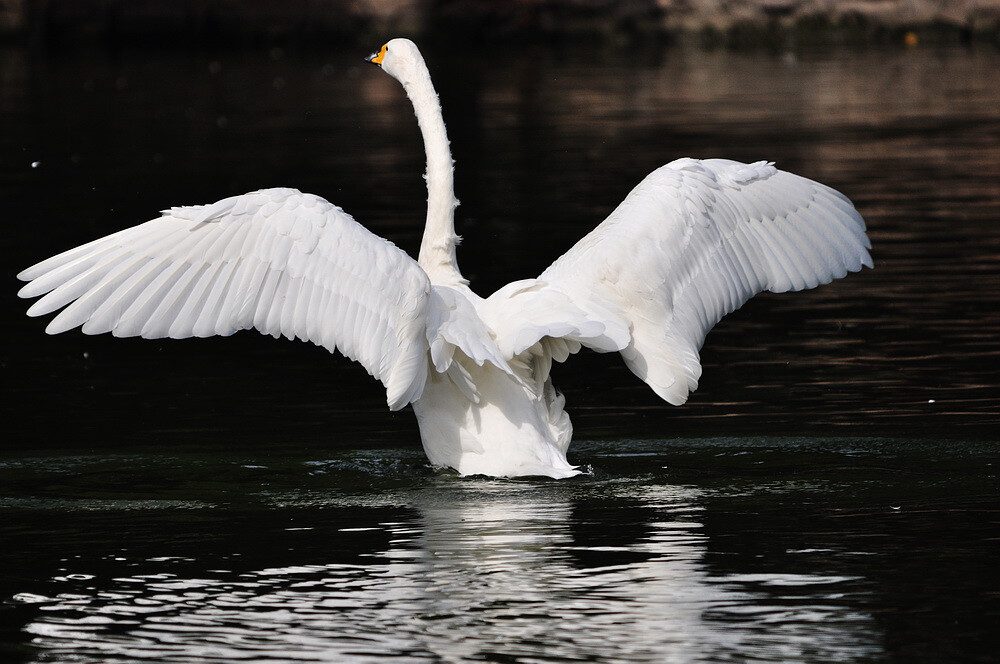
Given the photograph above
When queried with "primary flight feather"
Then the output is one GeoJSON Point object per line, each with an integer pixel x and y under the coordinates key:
{"type": "Point", "coordinates": [691, 243]}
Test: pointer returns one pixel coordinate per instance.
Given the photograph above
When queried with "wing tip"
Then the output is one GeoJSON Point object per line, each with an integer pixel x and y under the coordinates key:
{"type": "Point", "coordinates": [670, 394]}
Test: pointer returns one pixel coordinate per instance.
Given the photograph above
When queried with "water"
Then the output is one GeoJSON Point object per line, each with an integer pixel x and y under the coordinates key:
{"type": "Point", "coordinates": [706, 550]}
{"type": "Point", "coordinates": [828, 494]}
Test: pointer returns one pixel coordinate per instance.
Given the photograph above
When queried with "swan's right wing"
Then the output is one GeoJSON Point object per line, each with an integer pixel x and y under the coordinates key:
{"type": "Point", "coordinates": [693, 242]}
{"type": "Point", "coordinates": [286, 263]}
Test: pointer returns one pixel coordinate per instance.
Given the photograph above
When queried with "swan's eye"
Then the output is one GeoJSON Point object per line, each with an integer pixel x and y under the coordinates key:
{"type": "Point", "coordinates": [377, 59]}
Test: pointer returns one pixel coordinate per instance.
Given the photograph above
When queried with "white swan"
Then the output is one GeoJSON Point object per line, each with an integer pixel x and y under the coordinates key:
{"type": "Point", "coordinates": [692, 242]}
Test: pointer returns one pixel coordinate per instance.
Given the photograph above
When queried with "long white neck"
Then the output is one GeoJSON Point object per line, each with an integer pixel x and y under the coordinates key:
{"type": "Point", "coordinates": [437, 249]}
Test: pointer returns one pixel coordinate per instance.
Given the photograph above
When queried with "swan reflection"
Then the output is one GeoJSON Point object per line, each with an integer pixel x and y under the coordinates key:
{"type": "Point", "coordinates": [473, 570]}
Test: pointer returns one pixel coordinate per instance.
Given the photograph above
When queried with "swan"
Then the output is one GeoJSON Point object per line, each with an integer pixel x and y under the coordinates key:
{"type": "Point", "coordinates": [690, 243]}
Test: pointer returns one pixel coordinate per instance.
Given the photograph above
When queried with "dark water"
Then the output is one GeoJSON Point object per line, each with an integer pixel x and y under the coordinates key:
{"type": "Point", "coordinates": [828, 494]}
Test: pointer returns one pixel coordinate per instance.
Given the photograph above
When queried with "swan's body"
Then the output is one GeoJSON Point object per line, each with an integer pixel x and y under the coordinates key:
{"type": "Point", "coordinates": [692, 242]}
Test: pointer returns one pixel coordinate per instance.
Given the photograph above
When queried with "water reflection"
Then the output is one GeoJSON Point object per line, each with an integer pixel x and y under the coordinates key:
{"type": "Point", "coordinates": [477, 571]}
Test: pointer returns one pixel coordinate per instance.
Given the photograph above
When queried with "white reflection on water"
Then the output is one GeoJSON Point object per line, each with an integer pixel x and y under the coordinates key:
{"type": "Point", "coordinates": [486, 571]}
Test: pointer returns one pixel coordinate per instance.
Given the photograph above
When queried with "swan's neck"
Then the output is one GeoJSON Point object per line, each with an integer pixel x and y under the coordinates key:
{"type": "Point", "coordinates": [437, 249]}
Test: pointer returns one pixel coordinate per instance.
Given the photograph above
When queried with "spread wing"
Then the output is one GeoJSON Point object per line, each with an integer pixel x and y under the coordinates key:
{"type": "Point", "coordinates": [693, 242]}
{"type": "Point", "coordinates": [283, 262]}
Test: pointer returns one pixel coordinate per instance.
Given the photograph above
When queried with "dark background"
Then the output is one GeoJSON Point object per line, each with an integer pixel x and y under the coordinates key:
{"type": "Point", "coordinates": [547, 141]}
{"type": "Point", "coordinates": [828, 493]}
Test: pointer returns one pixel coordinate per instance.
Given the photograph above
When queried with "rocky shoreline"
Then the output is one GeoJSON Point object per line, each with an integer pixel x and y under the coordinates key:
{"type": "Point", "coordinates": [729, 22]}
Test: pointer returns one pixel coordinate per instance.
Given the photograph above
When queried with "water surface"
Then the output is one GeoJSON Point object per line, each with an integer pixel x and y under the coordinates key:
{"type": "Point", "coordinates": [828, 494]}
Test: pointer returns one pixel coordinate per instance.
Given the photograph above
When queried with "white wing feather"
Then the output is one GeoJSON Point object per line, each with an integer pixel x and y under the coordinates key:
{"type": "Point", "coordinates": [286, 263]}
{"type": "Point", "coordinates": [453, 323]}
{"type": "Point", "coordinates": [693, 242]}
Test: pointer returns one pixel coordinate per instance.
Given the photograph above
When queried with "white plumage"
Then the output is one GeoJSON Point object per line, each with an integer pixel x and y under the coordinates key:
{"type": "Point", "coordinates": [286, 263]}
{"type": "Point", "coordinates": [691, 243]}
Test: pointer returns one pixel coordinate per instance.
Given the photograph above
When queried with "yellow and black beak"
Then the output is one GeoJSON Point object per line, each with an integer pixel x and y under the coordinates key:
{"type": "Point", "coordinates": [376, 58]}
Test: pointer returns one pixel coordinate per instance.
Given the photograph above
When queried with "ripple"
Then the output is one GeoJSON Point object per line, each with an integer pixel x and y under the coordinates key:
{"type": "Point", "coordinates": [482, 568]}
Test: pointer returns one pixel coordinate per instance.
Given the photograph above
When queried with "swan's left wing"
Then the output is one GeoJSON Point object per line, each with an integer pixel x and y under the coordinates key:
{"type": "Point", "coordinates": [287, 263]}
{"type": "Point", "coordinates": [693, 242]}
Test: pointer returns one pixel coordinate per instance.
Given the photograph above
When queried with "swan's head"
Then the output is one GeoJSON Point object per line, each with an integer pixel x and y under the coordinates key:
{"type": "Point", "coordinates": [400, 59]}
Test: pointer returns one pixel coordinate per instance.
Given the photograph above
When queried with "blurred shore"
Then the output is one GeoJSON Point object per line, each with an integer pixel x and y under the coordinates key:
{"type": "Point", "coordinates": [711, 22]}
